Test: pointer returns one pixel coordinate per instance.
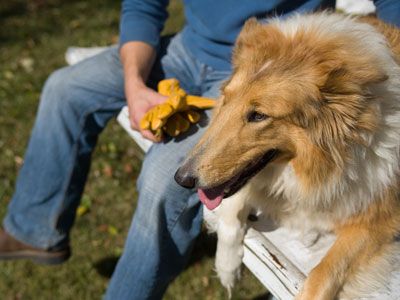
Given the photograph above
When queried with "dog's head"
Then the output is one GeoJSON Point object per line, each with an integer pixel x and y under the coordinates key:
{"type": "Point", "coordinates": [298, 95]}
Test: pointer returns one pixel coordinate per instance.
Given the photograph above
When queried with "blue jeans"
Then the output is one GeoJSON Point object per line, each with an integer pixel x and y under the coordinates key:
{"type": "Point", "coordinates": [76, 104]}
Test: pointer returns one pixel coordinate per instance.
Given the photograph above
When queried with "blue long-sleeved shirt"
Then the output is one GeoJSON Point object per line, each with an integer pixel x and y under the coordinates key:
{"type": "Point", "coordinates": [213, 25]}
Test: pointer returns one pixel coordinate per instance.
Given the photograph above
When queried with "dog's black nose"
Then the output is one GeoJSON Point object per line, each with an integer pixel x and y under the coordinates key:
{"type": "Point", "coordinates": [184, 178]}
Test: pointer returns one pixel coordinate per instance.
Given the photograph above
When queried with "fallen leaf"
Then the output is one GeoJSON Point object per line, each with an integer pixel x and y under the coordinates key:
{"type": "Point", "coordinates": [112, 230]}
{"type": "Point", "coordinates": [118, 251]}
{"type": "Point", "coordinates": [102, 228]}
{"type": "Point", "coordinates": [8, 74]}
{"type": "Point", "coordinates": [81, 210]}
{"type": "Point", "coordinates": [128, 168]}
{"type": "Point", "coordinates": [18, 160]}
{"type": "Point", "coordinates": [86, 201]}
{"type": "Point", "coordinates": [112, 148]}
{"type": "Point", "coordinates": [84, 207]}
{"type": "Point", "coordinates": [206, 281]}
{"type": "Point", "coordinates": [27, 64]}
{"type": "Point", "coordinates": [75, 24]}
{"type": "Point", "coordinates": [96, 243]}
{"type": "Point", "coordinates": [108, 170]}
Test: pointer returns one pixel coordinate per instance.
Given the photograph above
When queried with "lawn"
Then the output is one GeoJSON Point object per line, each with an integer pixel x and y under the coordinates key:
{"type": "Point", "coordinates": [34, 35]}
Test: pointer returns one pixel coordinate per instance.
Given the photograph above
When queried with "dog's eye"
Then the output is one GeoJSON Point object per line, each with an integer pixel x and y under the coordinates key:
{"type": "Point", "coordinates": [255, 116]}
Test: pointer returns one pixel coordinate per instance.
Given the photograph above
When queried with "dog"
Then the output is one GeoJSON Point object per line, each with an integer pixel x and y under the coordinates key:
{"type": "Point", "coordinates": [307, 129]}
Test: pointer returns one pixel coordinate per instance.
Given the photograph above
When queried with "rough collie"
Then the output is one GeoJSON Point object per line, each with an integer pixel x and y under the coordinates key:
{"type": "Point", "coordinates": [308, 130]}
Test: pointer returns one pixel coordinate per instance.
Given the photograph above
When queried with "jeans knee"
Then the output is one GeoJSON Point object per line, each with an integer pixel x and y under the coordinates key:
{"type": "Point", "coordinates": [154, 182]}
{"type": "Point", "coordinates": [58, 92]}
{"type": "Point", "coordinates": [58, 82]}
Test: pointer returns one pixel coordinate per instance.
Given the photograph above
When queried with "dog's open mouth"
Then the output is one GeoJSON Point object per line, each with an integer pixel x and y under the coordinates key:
{"type": "Point", "coordinates": [212, 197]}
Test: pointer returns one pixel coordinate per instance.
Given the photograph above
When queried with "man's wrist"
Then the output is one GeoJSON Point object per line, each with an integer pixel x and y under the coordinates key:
{"type": "Point", "coordinates": [137, 59]}
{"type": "Point", "coordinates": [135, 81]}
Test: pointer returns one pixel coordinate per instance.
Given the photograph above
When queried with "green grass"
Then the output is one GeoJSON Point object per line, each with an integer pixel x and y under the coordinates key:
{"type": "Point", "coordinates": [33, 38]}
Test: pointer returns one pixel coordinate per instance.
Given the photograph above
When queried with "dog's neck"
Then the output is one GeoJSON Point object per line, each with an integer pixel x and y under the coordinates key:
{"type": "Point", "coordinates": [370, 169]}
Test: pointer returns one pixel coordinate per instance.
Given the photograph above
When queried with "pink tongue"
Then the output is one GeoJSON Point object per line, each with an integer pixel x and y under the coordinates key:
{"type": "Point", "coordinates": [211, 198]}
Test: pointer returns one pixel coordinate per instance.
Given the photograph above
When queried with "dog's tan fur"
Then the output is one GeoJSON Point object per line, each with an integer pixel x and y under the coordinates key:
{"type": "Point", "coordinates": [323, 96]}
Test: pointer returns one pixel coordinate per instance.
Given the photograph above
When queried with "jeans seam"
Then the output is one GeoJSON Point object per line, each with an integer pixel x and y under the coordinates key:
{"type": "Point", "coordinates": [164, 237]}
{"type": "Point", "coordinates": [194, 86]}
{"type": "Point", "coordinates": [75, 148]}
{"type": "Point", "coordinates": [178, 216]}
{"type": "Point", "coordinates": [182, 50]}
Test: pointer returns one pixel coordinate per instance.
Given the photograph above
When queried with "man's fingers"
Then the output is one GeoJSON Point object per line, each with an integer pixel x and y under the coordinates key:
{"type": "Point", "coordinates": [148, 135]}
{"type": "Point", "coordinates": [145, 133]}
{"type": "Point", "coordinates": [134, 124]}
{"type": "Point", "coordinates": [146, 121]}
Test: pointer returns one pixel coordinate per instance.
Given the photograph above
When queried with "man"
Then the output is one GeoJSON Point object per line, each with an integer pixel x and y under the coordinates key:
{"type": "Point", "coordinates": [75, 106]}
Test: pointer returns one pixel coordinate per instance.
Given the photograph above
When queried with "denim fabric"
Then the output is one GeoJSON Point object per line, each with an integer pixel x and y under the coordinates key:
{"type": "Point", "coordinates": [76, 104]}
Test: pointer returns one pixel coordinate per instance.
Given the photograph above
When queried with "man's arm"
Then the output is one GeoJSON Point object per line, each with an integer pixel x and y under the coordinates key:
{"type": "Point", "coordinates": [137, 59]}
{"type": "Point", "coordinates": [140, 27]}
{"type": "Point", "coordinates": [388, 11]}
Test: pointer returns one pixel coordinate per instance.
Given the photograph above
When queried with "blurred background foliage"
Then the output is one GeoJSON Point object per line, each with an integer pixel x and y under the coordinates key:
{"type": "Point", "coordinates": [34, 36]}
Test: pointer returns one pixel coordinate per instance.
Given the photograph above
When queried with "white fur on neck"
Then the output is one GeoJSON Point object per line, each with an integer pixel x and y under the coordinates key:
{"type": "Point", "coordinates": [374, 166]}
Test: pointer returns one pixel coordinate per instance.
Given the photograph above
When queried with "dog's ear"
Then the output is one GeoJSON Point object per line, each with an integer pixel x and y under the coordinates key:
{"type": "Point", "coordinates": [351, 71]}
{"type": "Point", "coordinates": [246, 35]}
{"type": "Point", "coordinates": [250, 23]}
{"type": "Point", "coordinates": [368, 73]}
{"type": "Point", "coordinates": [351, 80]}
{"type": "Point", "coordinates": [255, 41]}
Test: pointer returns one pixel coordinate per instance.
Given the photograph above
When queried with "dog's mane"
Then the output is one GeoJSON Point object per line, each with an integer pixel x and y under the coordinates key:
{"type": "Point", "coordinates": [374, 164]}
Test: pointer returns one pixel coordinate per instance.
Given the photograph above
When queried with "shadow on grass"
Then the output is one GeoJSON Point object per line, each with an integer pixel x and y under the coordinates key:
{"type": "Point", "coordinates": [205, 246]}
{"type": "Point", "coordinates": [265, 296]}
{"type": "Point", "coordinates": [15, 8]}
{"type": "Point", "coordinates": [105, 267]}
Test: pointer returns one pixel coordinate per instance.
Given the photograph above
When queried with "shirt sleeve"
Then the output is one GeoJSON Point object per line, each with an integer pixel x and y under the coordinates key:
{"type": "Point", "coordinates": [142, 20]}
{"type": "Point", "coordinates": [388, 11]}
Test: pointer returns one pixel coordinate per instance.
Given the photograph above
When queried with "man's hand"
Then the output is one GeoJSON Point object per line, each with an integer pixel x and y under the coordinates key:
{"type": "Point", "coordinates": [140, 100]}
{"type": "Point", "coordinates": [175, 115]}
{"type": "Point", "coordinates": [138, 59]}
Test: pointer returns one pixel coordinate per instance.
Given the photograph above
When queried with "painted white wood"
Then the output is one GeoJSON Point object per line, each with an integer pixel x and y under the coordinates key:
{"type": "Point", "coordinates": [123, 120]}
{"type": "Point", "coordinates": [358, 7]}
{"type": "Point", "coordinates": [74, 55]}
{"type": "Point", "coordinates": [266, 275]}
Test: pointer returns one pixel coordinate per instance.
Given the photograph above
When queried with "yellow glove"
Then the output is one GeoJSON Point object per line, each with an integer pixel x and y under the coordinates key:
{"type": "Point", "coordinates": [175, 115]}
